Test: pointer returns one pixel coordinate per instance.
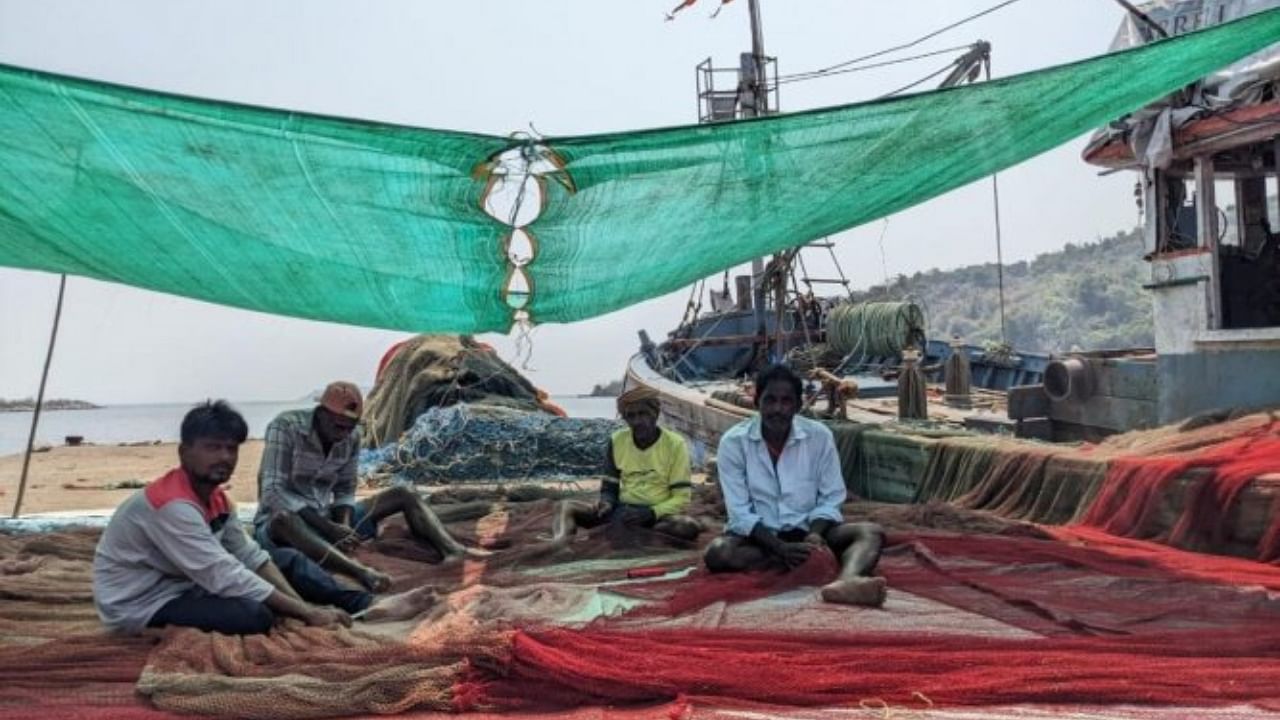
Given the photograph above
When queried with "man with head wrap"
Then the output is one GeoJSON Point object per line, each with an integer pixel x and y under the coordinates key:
{"type": "Point", "coordinates": [648, 483]}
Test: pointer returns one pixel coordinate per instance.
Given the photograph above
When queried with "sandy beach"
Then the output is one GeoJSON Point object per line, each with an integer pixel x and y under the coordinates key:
{"type": "Point", "coordinates": [95, 477]}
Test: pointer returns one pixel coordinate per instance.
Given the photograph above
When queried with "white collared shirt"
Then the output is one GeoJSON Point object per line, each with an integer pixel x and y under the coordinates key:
{"type": "Point", "coordinates": [805, 486]}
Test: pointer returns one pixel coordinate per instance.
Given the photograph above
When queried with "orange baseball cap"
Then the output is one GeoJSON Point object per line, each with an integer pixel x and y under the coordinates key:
{"type": "Point", "coordinates": [342, 398]}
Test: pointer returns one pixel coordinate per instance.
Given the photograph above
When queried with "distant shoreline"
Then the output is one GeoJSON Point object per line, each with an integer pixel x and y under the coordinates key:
{"type": "Point", "coordinates": [124, 423]}
{"type": "Point", "coordinates": [609, 390]}
{"type": "Point", "coordinates": [29, 405]}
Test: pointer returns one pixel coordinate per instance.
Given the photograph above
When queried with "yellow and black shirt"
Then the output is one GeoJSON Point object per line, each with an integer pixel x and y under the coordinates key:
{"type": "Point", "coordinates": [656, 477]}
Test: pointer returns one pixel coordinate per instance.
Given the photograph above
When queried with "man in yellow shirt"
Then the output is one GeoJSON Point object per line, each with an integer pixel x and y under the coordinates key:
{"type": "Point", "coordinates": [648, 484]}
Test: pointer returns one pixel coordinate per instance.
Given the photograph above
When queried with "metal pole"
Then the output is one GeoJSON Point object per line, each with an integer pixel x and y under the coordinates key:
{"type": "Point", "coordinates": [757, 51]}
{"type": "Point", "coordinates": [995, 193]}
{"type": "Point", "coordinates": [44, 377]}
{"type": "Point", "coordinates": [761, 92]}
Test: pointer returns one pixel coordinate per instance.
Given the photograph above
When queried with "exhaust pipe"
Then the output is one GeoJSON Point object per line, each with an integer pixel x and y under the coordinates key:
{"type": "Point", "coordinates": [1069, 379]}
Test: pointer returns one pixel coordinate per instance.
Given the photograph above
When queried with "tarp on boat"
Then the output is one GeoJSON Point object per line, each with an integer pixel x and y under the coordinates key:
{"type": "Point", "coordinates": [380, 225]}
{"type": "Point", "coordinates": [1249, 81]}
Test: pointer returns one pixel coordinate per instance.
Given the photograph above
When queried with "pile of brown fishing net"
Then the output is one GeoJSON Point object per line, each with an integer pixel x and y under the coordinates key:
{"type": "Point", "coordinates": [438, 371]}
{"type": "Point", "coordinates": [447, 409]}
{"type": "Point", "coordinates": [300, 673]}
{"type": "Point", "coordinates": [55, 661]}
{"type": "Point", "coordinates": [45, 586]}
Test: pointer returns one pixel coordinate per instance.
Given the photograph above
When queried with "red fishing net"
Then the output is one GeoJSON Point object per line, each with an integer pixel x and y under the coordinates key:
{"type": "Point", "coordinates": [1136, 486]}
{"type": "Point", "coordinates": [1055, 588]}
{"type": "Point", "coordinates": [700, 588]}
{"type": "Point", "coordinates": [559, 667]}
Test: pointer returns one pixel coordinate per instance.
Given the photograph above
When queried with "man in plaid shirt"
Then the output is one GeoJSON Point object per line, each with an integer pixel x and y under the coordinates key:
{"type": "Point", "coordinates": [307, 486]}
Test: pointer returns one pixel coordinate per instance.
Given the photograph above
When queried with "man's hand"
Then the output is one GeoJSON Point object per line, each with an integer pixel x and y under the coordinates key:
{"type": "Point", "coordinates": [816, 540]}
{"type": "Point", "coordinates": [328, 529]}
{"type": "Point", "coordinates": [793, 554]}
{"type": "Point", "coordinates": [603, 508]}
{"type": "Point", "coordinates": [336, 532]}
{"type": "Point", "coordinates": [326, 617]}
{"type": "Point", "coordinates": [638, 517]}
{"type": "Point", "coordinates": [348, 542]}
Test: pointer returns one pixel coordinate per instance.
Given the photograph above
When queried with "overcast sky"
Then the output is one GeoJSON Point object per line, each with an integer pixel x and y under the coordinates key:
{"type": "Point", "coordinates": [498, 66]}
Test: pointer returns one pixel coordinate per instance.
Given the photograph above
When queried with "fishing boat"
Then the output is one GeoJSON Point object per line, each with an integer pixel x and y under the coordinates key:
{"type": "Point", "coordinates": [1215, 286]}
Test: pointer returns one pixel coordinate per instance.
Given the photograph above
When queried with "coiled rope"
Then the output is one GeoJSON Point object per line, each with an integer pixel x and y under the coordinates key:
{"type": "Point", "coordinates": [876, 329]}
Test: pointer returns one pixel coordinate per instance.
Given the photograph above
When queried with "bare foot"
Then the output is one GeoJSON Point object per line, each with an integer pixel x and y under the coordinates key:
{"type": "Point", "coordinates": [866, 591]}
{"type": "Point", "coordinates": [464, 554]}
{"type": "Point", "coordinates": [374, 581]}
{"type": "Point", "coordinates": [402, 606]}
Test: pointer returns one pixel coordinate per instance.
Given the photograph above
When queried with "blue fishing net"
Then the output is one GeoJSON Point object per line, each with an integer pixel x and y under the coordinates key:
{"type": "Point", "coordinates": [478, 443]}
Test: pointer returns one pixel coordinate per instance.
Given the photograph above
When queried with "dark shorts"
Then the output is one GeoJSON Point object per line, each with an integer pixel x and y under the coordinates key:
{"type": "Point", "coordinates": [617, 513]}
{"type": "Point", "coordinates": [790, 535]}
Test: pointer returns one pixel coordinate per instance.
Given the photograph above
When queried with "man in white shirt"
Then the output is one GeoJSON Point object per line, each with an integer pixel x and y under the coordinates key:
{"type": "Point", "coordinates": [782, 486]}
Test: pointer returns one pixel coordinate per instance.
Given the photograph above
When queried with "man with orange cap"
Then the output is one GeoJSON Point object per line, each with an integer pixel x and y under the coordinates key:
{"type": "Point", "coordinates": [307, 486]}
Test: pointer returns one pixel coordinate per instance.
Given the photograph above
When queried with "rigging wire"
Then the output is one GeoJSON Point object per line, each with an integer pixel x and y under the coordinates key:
{"type": "Point", "coordinates": [995, 195]}
{"type": "Point", "coordinates": [815, 74]}
{"type": "Point", "coordinates": [884, 263]}
{"type": "Point", "coordinates": [921, 81]}
{"type": "Point", "coordinates": [918, 40]}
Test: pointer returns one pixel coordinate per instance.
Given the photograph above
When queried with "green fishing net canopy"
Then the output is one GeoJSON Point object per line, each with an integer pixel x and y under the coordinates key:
{"type": "Point", "coordinates": [386, 226]}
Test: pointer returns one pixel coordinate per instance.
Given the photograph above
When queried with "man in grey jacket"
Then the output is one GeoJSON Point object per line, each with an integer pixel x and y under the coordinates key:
{"type": "Point", "coordinates": [176, 554]}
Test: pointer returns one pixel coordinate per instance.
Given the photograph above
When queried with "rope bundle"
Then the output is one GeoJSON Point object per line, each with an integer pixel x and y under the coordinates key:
{"type": "Point", "coordinates": [959, 377]}
{"type": "Point", "coordinates": [913, 400]}
{"type": "Point", "coordinates": [877, 329]}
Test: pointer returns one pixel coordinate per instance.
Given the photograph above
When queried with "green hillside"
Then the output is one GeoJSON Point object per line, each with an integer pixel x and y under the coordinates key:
{"type": "Point", "coordinates": [1085, 296]}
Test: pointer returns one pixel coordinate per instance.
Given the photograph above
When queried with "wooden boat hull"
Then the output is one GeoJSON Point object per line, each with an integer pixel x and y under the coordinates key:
{"type": "Point", "coordinates": [684, 409]}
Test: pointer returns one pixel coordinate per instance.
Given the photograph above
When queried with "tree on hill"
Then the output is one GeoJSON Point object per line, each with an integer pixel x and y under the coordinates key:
{"type": "Point", "coordinates": [1086, 296]}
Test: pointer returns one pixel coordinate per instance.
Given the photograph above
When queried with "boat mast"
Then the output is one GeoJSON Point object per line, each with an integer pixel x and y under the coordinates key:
{"type": "Point", "coordinates": [757, 53]}
{"type": "Point", "coordinates": [761, 90]}
{"type": "Point", "coordinates": [759, 107]}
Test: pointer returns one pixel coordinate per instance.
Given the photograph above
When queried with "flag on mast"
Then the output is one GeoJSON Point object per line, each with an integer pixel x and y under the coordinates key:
{"type": "Point", "coordinates": [690, 3]}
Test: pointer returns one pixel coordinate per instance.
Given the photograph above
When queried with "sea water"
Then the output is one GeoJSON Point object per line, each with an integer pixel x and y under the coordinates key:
{"type": "Point", "coordinates": [145, 423]}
